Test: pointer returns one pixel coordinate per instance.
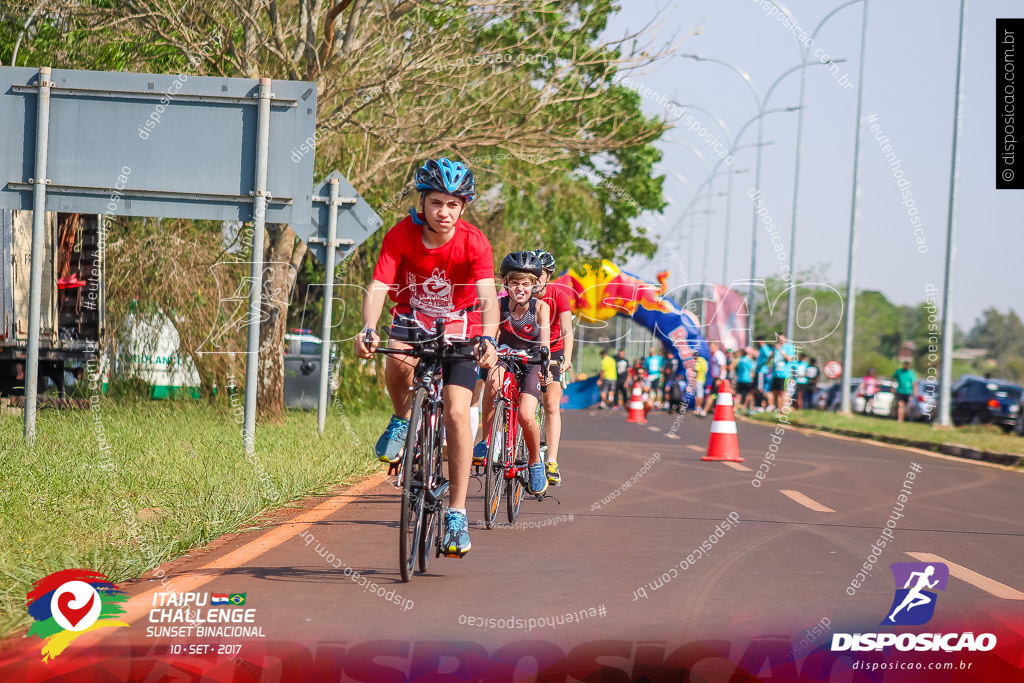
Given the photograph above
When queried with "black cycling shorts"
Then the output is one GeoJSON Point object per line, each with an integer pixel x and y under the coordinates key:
{"type": "Point", "coordinates": [743, 388]}
{"type": "Point", "coordinates": [460, 373]}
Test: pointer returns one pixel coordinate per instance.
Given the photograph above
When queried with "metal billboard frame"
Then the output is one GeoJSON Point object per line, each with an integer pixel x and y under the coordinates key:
{"type": "Point", "coordinates": [168, 202]}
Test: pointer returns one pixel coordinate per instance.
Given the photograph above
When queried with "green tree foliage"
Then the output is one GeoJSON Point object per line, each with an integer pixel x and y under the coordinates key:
{"type": "Point", "coordinates": [997, 333]}
{"type": "Point", "coordinates": [878, 324]}
{"type": "Point", "coordinates": [522, 90]}
{"type": "Point", "coordinates": [1002, 335]}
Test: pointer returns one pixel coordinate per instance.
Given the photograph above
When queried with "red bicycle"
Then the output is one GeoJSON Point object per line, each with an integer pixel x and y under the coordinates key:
{"type": "Point", "coordinates": [507, 459]}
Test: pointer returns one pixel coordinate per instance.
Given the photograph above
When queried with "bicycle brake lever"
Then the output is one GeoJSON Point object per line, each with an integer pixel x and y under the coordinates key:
{"type": "Point", "coordinates": [545, 364]}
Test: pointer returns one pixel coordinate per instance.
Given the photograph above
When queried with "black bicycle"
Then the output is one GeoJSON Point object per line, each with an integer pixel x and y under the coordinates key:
{"type": "Point", "coordinates": [420, 470]}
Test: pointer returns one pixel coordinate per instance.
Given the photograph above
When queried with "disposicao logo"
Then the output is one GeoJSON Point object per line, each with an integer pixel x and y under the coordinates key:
{"type": "Point", "coordinates": [71, 602]}
{"type": "Point", "coordinates": [913, 605]}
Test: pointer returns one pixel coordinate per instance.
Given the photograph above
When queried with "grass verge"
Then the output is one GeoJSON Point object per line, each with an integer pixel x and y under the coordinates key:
{"type": "Point", "coordinates": [135, 484]}
{"type": "Point", "coordinates": [984, 437]}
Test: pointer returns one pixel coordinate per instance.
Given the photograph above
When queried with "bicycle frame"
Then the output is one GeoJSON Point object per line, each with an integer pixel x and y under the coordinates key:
{"type": "Point", "coordinates": [509, 395]}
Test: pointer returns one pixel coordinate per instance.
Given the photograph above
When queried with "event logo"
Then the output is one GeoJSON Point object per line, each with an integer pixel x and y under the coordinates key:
{"type": "Point", "coordinates": [71, 602]}
{"type": "Point", "coordinates": [914, 604]}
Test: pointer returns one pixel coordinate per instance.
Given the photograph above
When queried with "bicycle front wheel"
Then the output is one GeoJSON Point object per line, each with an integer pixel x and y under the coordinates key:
{"type": "Point", "coordinates": [514, 495]}
{"type": "Point", "coordinates": [434, 493]}
{"type": "Point", "coordinates": [494, 472]}
{"type": "Point", "coordinates": [411, 521]}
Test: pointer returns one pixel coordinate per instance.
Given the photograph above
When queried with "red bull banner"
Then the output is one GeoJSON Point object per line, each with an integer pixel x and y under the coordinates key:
{"type": "Point", "coordinates": [606, 291]}
{"type": "Point", "coordinates": [726, 316]}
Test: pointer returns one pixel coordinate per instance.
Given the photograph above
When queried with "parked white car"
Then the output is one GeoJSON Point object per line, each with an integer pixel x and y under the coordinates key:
{"type": "Point", "coordinates": [883, 403]}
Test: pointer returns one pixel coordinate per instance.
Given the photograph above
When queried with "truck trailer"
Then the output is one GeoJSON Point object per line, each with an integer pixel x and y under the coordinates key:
{"type": "Point", "coordinates": [71, 301]}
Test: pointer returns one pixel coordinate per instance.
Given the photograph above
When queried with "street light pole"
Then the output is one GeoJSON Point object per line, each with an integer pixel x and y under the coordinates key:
{"type": "Point", "coordinates": [761, 104]}
{"type": "Point", "coordinates": [805, 51]}
{"type": "Point", "coordinates": [946, 372]}
{"type": "Point", "coordinates": [851, 292]}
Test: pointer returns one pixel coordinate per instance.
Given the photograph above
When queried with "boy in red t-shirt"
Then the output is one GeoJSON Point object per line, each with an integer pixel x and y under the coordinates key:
{"type": "Point", "coordinates": [435, 265]}
{"type": "Point", "coordinates": [556, 296]}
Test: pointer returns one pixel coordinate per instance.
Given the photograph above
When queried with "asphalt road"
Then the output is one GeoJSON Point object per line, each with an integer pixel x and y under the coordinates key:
{"type": "Point", "coordinates": [619, 548]}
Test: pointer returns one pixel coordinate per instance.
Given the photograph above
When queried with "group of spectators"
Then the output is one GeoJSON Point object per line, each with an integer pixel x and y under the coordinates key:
{"type": "Point", "coordinates": [659, 372]}
{"type": "Point", "coordinates": [760, 377]}
{"type": "Point", "coordinates": [767, 387]}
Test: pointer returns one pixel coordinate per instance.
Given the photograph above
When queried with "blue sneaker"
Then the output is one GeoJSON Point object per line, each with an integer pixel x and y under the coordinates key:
{"type": "Point", "coordinates": [455, 542]}
{"type": "Point", "coordinates": [480, 453]}
{"type": "Point", "coordinates": [538, 479]}
{"type": "Point", "coordinates": [392, 441]}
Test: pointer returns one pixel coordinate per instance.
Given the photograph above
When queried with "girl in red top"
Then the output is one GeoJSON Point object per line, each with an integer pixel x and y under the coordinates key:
{"type": "Point", "coordinates": [524, 325]}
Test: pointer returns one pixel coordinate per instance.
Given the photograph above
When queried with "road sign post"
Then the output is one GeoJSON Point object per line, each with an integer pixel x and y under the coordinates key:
{"type": "Point", "coordinates": [36, 271]}
{"type": "Point", "coordinates": [325, 328]}
{"type": "Point", "coordinates": [324, 234]}
{"type": "Point", "coordinates": [259, 211]}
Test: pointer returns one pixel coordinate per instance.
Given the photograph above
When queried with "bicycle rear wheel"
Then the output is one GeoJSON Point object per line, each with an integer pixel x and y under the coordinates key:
{"type": "Point", "coordinates": [434, 492]}
{"type": "Point", "coordinates": [411, 521]}
{"type": "Point", "coordinates": [514, 494]}
{"type": "Point", "coordinates": [494, 472]}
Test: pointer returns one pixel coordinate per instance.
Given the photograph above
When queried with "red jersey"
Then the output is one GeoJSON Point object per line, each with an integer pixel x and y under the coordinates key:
{"type": "Point", "coordinates": [556, 296]}
{"type": "Point", "coordinates": [436, 282]}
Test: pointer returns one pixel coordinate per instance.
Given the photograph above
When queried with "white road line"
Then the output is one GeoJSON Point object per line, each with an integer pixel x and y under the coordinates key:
{"type": "Point", "coordinates": [805, 501]}
{"type": "Point", "coordinates": [694, 448]}
{"type": "Point", "coordinates": [991, 586]}
{"type": "Point", "coordinates": [736, 466]}
{"type": "Point", "coordinates": [670, 435]}
{"type": "Point", "coordinates": [655, 429]}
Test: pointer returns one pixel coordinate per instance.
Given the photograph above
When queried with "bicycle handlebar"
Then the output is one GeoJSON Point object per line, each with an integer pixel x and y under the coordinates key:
{"type": "Point", "coordinates": [543, 359]}
{"type": "Point", "coordinates": [437, 345]}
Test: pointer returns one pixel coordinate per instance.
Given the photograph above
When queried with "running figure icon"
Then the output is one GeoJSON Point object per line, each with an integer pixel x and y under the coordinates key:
{"type": "Point", "coordinates": [915, 597]}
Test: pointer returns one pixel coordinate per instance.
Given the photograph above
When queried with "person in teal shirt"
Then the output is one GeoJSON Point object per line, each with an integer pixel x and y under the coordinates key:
{"type": "Point", "coordinates": [904, 379]}
{"type": "Point", "coordinates": [653, 364]}
{"type": "Point", "coordinates": [781, 357]}
{"type": "Point", "coordinates": [762, 369]}
{"type": "Point", "coordinates": [745, 377]}
{"type": "Point", "coordinates": [798, 370]}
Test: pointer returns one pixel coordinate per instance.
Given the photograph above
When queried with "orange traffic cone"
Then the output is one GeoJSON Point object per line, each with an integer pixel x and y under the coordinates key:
{"type": "Point", "coordinates": [636, 406]}
{"type": "Point", "coordinates": [723, 444]}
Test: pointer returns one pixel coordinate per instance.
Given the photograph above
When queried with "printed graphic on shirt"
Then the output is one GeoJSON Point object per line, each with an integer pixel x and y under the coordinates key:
{"type": "Point", "coordinates": [432, 295]}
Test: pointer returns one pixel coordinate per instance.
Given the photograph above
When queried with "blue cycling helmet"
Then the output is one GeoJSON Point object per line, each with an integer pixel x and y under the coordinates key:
{"type": "Point", "coordinates": [444, 175]}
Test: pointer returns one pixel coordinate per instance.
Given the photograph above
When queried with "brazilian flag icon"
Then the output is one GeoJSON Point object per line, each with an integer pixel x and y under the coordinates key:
{"type": "Point", "coordinates": [237, 598]}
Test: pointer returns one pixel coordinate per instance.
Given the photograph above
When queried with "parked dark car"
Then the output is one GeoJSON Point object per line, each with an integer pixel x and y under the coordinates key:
{"type": "Point", "coordinates": [302, 369]}
{"type": "Point", "coordinates": [923, 406]}
{"type": "Point", "coordinates": [1019, 426]}
{"type": "Point", "coordinates": [977, 400]}
{"type": "Point", "coordinates": [823, 395]}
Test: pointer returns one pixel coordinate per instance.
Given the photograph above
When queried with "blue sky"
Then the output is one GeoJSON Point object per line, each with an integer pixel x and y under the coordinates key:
{"type": "Point", "coordinates": [909, 85]}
